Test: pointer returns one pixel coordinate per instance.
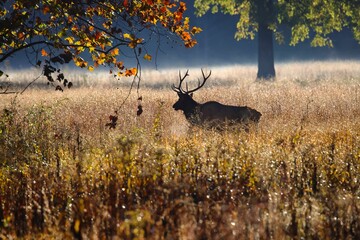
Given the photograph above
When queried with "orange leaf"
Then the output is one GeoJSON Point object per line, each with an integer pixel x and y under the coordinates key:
{"type": "Point", "coordinates": [163, 9]}
{"type": "Point", "coordinates": [182, 7]}
{"type": "Point", "coordinates": [185, 36]}
{"type": "Point", "coordinates": [178, 16]}
{"type": "Point", "coordinates": [98, 35]}
{"type": "Point", "coordinates": [115, 52]}
{"type": "Point", "coordinates": [44, 53]}
{"type": "Point", "coordinates": [20, 35]}
{"type": "Point", "coordinates": [46, 9]}
{"type": "Point", "coordinates": [130, 72]}
{"type": "Point", "coordinates": [190, 44]}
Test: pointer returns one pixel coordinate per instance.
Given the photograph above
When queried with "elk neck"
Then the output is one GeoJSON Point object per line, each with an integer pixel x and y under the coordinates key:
{"type": "Point", "coordinates": [191, 108]}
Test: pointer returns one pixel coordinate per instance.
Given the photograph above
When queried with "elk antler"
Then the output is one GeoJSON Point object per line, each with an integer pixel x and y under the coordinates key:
{"type": "Point", "coordinates": [179, 89]}
{"type": "Point", "coordinates": [200, 85]}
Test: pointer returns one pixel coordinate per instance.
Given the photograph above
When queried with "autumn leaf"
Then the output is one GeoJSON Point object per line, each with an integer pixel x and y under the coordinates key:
{"type": "Point", "coordinates": [80, 62]}
{"type": "Point", "coordinates": [90, 68]}
{"type": "Point", "coordinates": [20, 35]}
{"type": "Point", "coordinates": [163, 9]}
{"type": "Point", "coordinates": [98, 35]}
{"type": "Point", "coordinates": [178, 16]}
{"type": "Point", "coordinates": [135, 42]}
{"type": "Point", "coordinates": [186, 36]}
{"type": "Point", "coordinates": [128, 36]}
{"type": "Point", "coordinates": [130, 72]}
{"type": "Point", "coordinates": [191, 43]}
{"type": "Point", "coordinates": [120, 65]}
{"type": "Point", "coordinates": [115, 52]}
{"type": "Point", "coordinates": [126, 3]}
{"type": "Point", "coordinates": [44, 53]}
{"type": "Point", "coordinates": [195, 30]}
{"type": "Point", "coordinates": [147, 57]}
{"type": "Point", "coordinates": [70, 40]}
{"type": "Point", "coordinates": [46, 9]}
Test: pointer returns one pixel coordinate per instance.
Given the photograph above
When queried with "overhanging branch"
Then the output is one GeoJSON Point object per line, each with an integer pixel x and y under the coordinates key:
{"type": "Point", "coordinates": [24, 47]}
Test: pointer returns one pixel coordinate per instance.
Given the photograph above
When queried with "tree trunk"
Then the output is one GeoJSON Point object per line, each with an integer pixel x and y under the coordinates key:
{"type": "Point", "coordinates": [266, 68]}
{"type": "Point", "coordinates": [265, 15]}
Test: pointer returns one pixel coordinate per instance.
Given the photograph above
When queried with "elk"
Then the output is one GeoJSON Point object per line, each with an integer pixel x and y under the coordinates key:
{"type": "Point", "coordinates": [211, 114]}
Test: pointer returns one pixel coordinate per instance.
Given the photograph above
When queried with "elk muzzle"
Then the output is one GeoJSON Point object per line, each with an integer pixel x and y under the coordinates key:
{"type": "Point", "coordinates": [176, 106]}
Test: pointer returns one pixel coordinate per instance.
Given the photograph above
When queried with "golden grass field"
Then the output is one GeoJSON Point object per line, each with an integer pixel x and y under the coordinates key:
{"type": "Point", "coordinates": [65, 175]}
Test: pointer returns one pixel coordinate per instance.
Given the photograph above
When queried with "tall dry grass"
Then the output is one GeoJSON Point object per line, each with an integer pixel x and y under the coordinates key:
{"type": "Point", "coordinates": [65, 175]}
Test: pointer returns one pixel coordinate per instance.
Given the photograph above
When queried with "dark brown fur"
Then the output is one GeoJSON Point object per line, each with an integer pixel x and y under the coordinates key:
{"type": "Point", "coordinates": [212, 114]}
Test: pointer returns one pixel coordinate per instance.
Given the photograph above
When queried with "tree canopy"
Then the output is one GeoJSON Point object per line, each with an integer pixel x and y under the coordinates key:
{"type": "Point", "coordinates": [314, 20]}
{"type": "Point", "coordinates": [91, 33]}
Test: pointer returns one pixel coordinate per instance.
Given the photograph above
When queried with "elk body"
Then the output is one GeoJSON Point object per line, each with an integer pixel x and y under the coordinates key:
{"type": "Point", "coordinates": [212, 114]}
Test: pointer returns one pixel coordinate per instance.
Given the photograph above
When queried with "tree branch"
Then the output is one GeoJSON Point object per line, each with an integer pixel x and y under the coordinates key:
{"type": "Point", "coordinates": [5, 56]}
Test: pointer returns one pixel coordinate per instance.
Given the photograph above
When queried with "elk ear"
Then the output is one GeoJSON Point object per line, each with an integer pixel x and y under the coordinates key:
{"type": "Point", "coordinates": [191, 95]}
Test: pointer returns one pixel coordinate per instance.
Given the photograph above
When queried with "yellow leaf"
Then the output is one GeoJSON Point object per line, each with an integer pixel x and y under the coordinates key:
{"type": "Point", "coordinates": [128, 36]}
{"type": "Point", "coordinates": [44, 53]}
{"type": "Point", "coordinates": [186, 21]}
{"type": "Point", "coordinates": [3, 12]}
{"type": "Point", "coordinates": [70, 40]}
{"type": "Point", "coordinates": [195, 30]}
{"type": "Point", "coordinates": [115, 52]}
{"type": "Point", "coordinates": [100, 61]}
{"type": "Point", "coordinates": [147, 57]}
{"type": "Point", "coordinates": [80, 49]}
{"type": "Point", "coordinates": [77, 225]}
{"type": "Point", "coordinates": [91, 68]}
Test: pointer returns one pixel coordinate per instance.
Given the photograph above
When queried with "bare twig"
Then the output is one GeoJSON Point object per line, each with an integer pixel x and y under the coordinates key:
{"type": "Point", "coordinates": [30, 84]}
{"type": "Point", "coordinates": [136, 77]}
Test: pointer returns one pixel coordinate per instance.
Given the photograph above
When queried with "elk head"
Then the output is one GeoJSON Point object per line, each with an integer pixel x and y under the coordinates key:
{"type": "Point", "coordinates": [186, 102]}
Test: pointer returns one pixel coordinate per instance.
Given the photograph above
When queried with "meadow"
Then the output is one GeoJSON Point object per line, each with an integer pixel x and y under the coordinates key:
{"type": "Point", "coordinates": [64, 174]}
